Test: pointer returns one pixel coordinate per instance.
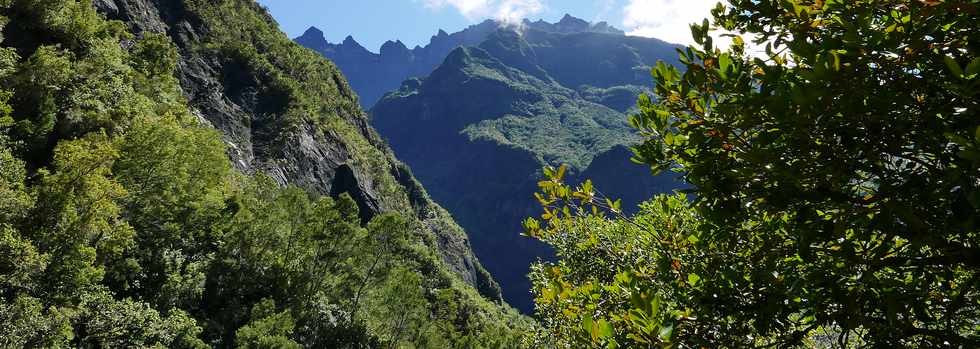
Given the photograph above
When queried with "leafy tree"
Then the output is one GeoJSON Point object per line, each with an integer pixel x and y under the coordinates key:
{"type": "Point", "coordinates": [77, 220]}
{"type": "Point", "coordinates": [401, 307]}
{"type": "Point", "coordinates": [835, 180]}
{"type": "Point", "coordinates": [175, 173]}
{"type": "Point", "coordinates": [268, 328]}
{"type": "Point", "coordinates": [386, 234]}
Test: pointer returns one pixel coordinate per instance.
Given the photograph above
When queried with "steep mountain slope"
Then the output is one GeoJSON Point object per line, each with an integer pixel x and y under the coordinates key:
{"type": "Point", "coordinates": [374, 74]}
{"type": "Point", "coordinates": [478, 130]}
{"type": "Point", "coordinates": [277, 121]}
{"type": "Point", "coordinates": [124, 224]}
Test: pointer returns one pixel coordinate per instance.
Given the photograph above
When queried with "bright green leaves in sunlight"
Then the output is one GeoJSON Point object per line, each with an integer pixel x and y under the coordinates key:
{"type": "Point", "coordinates": [617, 277]}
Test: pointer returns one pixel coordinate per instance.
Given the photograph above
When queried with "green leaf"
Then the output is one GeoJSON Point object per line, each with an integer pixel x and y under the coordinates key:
{"type": "Point", "coordinates": [666, 332]}
{"type": "Point", "coordinates": [977, 135]}
{"type": "Point", "coordinates": [693, 279]}
{"type": "Point", "coordinates": [550, 172]}
{"type": "Point", "coordinates": [696, 34]}
{"type": "Point", "coordinates": [953, 66]}
{"type": "Point", "coordinates": [654, 307]}
{"type": "Point", "coordinates": [660, 119]}
{"type": "Point", "coordinates": [724, 63]}
{"type": "Point", "coordinates": [605, 329]}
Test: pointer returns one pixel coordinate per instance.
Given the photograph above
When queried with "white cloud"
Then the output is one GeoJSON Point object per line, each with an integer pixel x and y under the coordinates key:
{"type": "Point", "coordinates": [514, 11]}
{"type": "Point", "coordinates": [668, 20]}
{"type": "Point", "coordinates": [507, 11]}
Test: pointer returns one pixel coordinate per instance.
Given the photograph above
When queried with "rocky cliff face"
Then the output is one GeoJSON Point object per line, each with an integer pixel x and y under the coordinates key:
{"type": "Point", "coordinates": [315, 137]}
{"type": "Point", "coordinates": [480, 127]}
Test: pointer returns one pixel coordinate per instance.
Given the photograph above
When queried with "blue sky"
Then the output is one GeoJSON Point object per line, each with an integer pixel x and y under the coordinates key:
{"type": "Point", "coordinates": [372, 22]}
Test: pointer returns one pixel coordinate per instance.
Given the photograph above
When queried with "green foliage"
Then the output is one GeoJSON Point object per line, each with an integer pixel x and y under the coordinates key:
{"type": "Point", "coordinates": [572, 133]}
{"type": "Point", "coordinates": [26, 322]}
{"type": "Point", "coordinates": [836, 189]}
{"type": "Point", "coordinates": [126, 323]}
{"type": "Point", "coordinates": [77, 220]}
{"type": "Point", "coordinates": [73, 24]}
{"type": "Point", "coordinates": [620, 281]}
{"type": "Point", "coordinates": [267, 329]}
{"type": "Point", "coordinates": [398, 308]}
{"type": "Point", "coordinates": [15, 199]}
{"type": "Point", "coordinates": [122, 223]}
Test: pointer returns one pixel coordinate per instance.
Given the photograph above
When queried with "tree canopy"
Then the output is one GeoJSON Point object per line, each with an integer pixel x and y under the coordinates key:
{"type": "Point", "coordinates": [836, 189]}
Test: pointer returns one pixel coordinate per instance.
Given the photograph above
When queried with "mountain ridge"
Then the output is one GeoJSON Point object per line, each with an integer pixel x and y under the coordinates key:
{"type": "Point", "coordinates": [374, 74]}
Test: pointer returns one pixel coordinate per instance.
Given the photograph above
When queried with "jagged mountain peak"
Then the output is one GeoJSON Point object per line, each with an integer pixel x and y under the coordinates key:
{"type": "Point", "coordinates": [313, 31]}
{"type": "Point", "coordinates": [396, 50]}
{"type": "Point", "coordinates": [569, 19]}
{"type": "Point", "coordinates": [462, 56]}
{"type": "Point", "coordinates": [313, 38]}
{"type": "Point", "coordinates": [393, 44]}
{"type": "Point", "coordinates": [352, 47]}
{"type": "Point", "coordinates": [569, 23]}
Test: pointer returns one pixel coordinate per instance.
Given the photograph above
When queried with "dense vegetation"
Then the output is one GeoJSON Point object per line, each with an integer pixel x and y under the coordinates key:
{"type": "Point", "coordinates": [123, 224]}
{"type": "Point", "coordinates": [837, 185]}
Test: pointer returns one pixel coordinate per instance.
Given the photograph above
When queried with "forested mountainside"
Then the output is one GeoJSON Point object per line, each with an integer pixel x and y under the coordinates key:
{"type": "Point", "coordinates": [478, 130]}
{"type": "Point", "coordinates": [181, 174]}
{"type": "Point", "coordinates": [374, 74]}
